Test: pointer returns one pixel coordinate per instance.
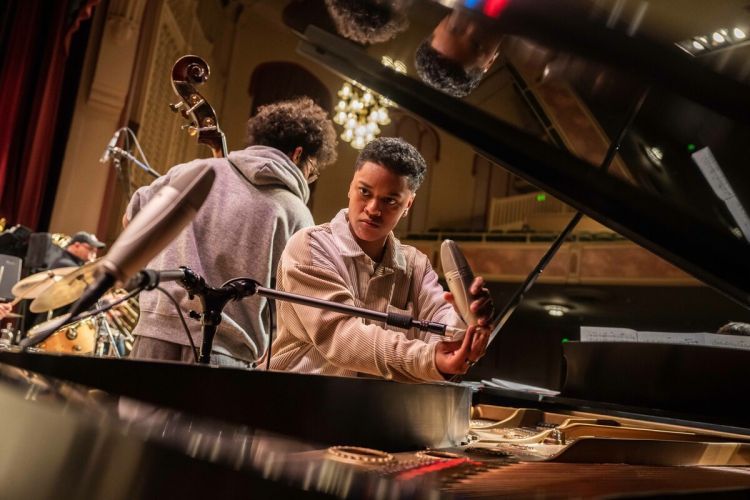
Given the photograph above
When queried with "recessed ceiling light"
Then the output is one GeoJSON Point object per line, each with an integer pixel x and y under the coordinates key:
{"type": "Point", "coordinates": [556, 310]}
{"type": "Point", "coordinates": [697, 45]}
{"type": "Point", "coordinates": [738, 34]}
{"type": "Point", "coordinates": [718, 37]}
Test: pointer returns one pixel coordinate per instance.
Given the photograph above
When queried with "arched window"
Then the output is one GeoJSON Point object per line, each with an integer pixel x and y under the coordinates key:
{"type": "Point", "coordinates": [279, 80]}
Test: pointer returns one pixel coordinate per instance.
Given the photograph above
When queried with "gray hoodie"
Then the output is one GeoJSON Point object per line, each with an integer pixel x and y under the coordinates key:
{"type": "Point", "coordinates": [240, 230]}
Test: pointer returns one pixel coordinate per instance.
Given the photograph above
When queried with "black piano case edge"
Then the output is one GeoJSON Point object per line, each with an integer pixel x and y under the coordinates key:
{"type": "Point", "coordinates": [327, 410]}
{"type": "Point", "coordinates": [660, 379]}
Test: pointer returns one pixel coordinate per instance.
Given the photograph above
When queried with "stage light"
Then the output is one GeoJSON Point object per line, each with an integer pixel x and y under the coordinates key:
{"type": "Point", "coordinates": [719, 39]}
{"type": "Point", "coordinates": [493, 8]}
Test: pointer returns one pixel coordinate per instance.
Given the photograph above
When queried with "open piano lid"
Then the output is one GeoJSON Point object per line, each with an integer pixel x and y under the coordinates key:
{"type": "Point", "coordinates": [679, 185]}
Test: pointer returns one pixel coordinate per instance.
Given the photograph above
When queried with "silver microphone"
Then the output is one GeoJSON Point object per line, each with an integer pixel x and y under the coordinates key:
{"type": "Point", "coordinates": [108, 152]}
{"type": "Point", "coordinates": [459, 276]}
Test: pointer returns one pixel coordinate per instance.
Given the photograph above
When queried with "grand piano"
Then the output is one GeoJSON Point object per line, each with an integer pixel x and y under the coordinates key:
{"type": "Point", "coordinates": [619, 111]}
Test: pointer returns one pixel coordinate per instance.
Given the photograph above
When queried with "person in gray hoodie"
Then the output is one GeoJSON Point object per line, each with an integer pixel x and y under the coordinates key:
{"type": "Point", "coordinates": [257, 202]}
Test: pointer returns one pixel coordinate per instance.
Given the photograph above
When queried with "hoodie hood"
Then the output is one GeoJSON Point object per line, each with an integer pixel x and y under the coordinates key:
{"type": "Point", "coordinates": [267, 166]}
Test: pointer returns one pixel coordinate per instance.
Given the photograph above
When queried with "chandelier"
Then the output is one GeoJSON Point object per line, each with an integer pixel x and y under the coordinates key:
{"type": "Point", "coordinates": [361, 111]}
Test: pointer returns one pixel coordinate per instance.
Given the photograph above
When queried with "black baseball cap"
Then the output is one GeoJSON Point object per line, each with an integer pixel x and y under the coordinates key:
{"type": "Point", "coordinates": [84, 237]}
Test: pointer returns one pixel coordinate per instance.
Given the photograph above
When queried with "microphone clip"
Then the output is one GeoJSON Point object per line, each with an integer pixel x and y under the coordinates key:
{"type": "Point", "coordinates": [213, 300]}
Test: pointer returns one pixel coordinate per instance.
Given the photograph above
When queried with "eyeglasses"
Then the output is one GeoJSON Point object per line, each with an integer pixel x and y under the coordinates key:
{"type": "Point", "coordinates": [313, 172]}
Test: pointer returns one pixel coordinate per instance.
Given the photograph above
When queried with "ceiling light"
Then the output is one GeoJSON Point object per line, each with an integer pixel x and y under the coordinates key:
{"type": "Point", "coordinates": [556, 310]}
{"type": "Point", "coordinates": [738, 34]}
{"type": "Point", "coordinates": [697, 45]}
{"type": "Point", "coordinates": [654, 154]}
{"type": "Point", "coordinates": [360, 112]}
{"type": "Point", "coordinates": [718, 37]}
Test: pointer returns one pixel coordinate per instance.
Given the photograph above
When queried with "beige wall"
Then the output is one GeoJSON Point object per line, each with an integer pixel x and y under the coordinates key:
{"type": "Point", "coordinates": [104, 85]}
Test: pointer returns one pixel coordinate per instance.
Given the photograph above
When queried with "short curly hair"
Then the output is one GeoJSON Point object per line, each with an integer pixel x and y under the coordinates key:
{"type": "Point", "coordinates": [396, 155]}
{"type": "Point", "coordinates": [444, 74]}
{"type": "Point", "coordinates": [368, 21]}
{"type": "Point", "coordinates": [284, 125]}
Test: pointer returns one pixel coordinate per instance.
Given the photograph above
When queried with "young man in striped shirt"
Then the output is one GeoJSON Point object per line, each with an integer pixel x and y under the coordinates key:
{"type": "Point", "coordinates": [355, 259]}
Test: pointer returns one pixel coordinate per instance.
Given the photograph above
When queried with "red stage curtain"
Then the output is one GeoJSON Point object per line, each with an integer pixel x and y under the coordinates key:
{"type": "Point", "coordinates": [31, 78]}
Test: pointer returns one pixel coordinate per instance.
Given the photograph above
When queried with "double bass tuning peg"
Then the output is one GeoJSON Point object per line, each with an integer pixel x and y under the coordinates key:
{"type": "Point", "coordinates": [192, 130]}
{"type": "Point", "coordinates": [197, 73]}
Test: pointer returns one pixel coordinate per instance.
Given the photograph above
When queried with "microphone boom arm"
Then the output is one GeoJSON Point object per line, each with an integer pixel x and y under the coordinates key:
{"type": "Point", "coordinates": [213, 300]}
{"type": "Point", "coordinates": [118, 152]}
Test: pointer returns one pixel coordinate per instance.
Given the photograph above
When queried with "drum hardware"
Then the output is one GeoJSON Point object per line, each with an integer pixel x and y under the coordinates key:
{"type": "Point", "coordinates": [8, 335]}
{"type": "Point", "coordinates": [104, 334]}
{"type": "Point", "coordinates": [75, 338]}
{"type": "Point", "coordinates": [105, 339]}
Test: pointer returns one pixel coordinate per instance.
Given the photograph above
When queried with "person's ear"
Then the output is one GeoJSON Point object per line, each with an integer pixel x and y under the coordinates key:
{"type": "Point", "coordinates": [296, 155]}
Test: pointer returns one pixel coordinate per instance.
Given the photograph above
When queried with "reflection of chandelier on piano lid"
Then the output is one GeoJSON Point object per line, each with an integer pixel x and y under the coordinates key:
{"type": "Point", "coordinates": [361, 111]}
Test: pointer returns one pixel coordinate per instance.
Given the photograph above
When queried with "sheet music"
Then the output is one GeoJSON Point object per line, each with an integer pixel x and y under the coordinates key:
{"type": "Point", "coordinates": [673, 338]}
{"type": "Point", "coordinates": [611, 334]}
{"type": "Point", "coordinates": [740, 216]}
{"type": "Point", "coordinates": [710, 169]}
{"type": "Point", "coordinates": [607, 334]}
{"type": "Point", "coordinates": [715, 177]}
{"type": "Point", "coordinates": [728, 341]}
{"type": "Point", "coordinates": [517, 386]}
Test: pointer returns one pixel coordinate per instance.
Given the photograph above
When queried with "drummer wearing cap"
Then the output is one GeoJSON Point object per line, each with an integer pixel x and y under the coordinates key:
{"type": "Point", "coordinates": [81, 249]}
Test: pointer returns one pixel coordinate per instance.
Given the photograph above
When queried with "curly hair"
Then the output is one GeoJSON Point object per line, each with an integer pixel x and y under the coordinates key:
{"type": "Point", "coordinates": [284, 125]}
{"type": "Point", "coordinates": [396, 155]}
{"type": "Point", "coordinates": [368, 21]}
{"type": "Point", "coordinates": [444, 74]}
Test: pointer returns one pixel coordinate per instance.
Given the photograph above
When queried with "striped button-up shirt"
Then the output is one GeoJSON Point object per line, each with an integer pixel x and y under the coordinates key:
{"type": "Point", "coordinates": [326, 262]}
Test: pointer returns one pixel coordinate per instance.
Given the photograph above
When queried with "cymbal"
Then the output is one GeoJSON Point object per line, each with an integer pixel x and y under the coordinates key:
{"type": "Point", "coordinates": [32, 286]}
{"type": "Point", "coordinates": [67, 290]}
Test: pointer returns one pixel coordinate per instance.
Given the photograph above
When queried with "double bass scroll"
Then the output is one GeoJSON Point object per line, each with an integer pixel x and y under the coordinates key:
{"type": "Point", "coordinates": [188, 72]}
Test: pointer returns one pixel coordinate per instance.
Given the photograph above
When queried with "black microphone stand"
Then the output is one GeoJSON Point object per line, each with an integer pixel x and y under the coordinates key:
{"type": "Point", "coordinates": [213, 300]}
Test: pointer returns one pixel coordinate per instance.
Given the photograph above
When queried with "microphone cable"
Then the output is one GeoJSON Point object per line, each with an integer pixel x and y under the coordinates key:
{"type": "Point", "coordinates": [182, 320]}
{"type": "Point", "coordinates": [138, 147]}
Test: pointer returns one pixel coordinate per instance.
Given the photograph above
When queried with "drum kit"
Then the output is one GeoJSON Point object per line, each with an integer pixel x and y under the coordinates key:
{"type": "Point", "coordinates": [104, 334]}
